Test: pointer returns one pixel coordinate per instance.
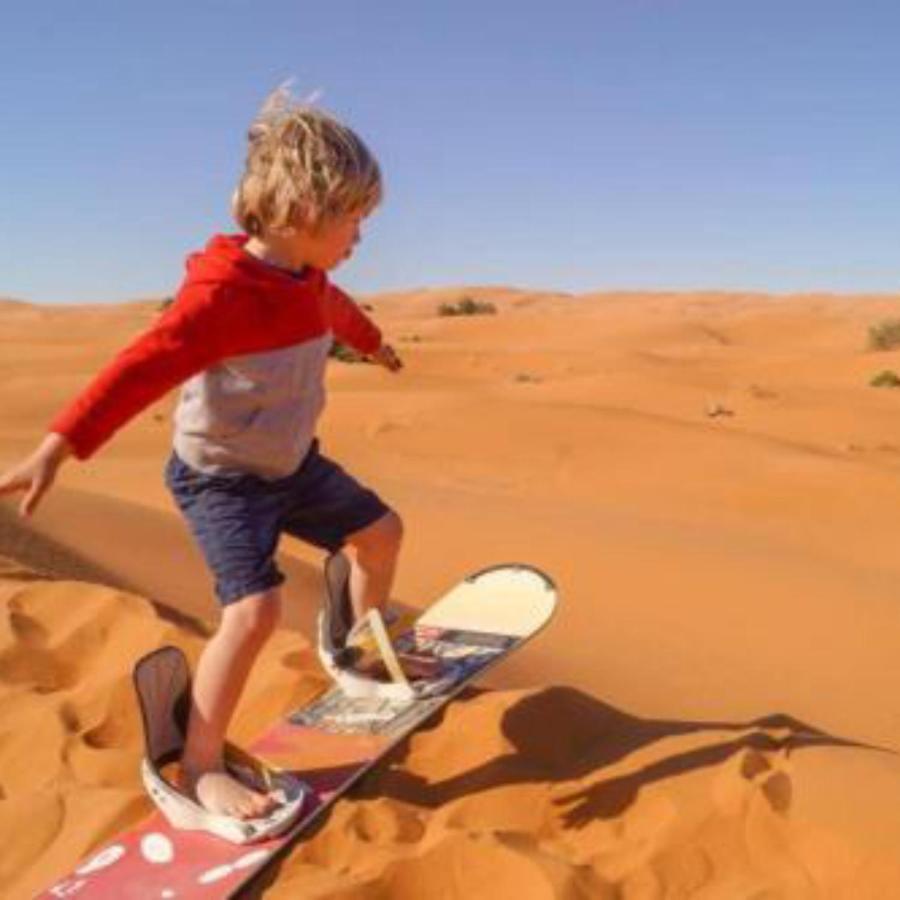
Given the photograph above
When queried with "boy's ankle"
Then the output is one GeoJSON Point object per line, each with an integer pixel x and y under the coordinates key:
{"type": "Point", "coordinates": [197, 766]}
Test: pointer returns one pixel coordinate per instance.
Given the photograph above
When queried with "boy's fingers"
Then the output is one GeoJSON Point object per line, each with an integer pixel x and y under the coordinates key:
{"type": "Point", "coordinates": [390, 359]}
{"type": "Point", "coordinates": [32, 498]}
{"type": "Point", "coordinates": [37, 486]}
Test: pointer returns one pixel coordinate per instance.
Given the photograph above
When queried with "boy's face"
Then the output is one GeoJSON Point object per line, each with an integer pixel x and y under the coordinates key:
{"type": "Point", "coordinates": [331, 242]}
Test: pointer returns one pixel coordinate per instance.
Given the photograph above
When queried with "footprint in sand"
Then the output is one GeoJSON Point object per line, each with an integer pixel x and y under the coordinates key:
{"type": "Point", "coordinates": [762, 393]}
{"type": "Point", "coordinates": [377, 822]}
{"type": "Point", "coordinates": [111, 727]}
{"type": "Point", "coordinates": [27, 661]}
{"type": "Point", "coordinates": [774, 783]}
{"type": "Point", "coordinates": [25, 629]}
{"type": "Point", "coordinates": [116, 727]}
{"type": "Point", "coordinates": [70, 718]}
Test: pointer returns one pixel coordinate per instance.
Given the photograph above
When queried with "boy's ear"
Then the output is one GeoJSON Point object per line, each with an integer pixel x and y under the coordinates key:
{"type": "Point", "coordinates": [284, 231]}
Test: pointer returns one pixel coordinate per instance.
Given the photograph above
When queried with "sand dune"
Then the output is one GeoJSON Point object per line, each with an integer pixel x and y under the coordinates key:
{"type": "Point", "coordinates": [712, 483]}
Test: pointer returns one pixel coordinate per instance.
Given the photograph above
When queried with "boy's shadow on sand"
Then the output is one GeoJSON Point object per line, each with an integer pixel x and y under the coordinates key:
{"type": "Point", "coordinates": [561, 734]}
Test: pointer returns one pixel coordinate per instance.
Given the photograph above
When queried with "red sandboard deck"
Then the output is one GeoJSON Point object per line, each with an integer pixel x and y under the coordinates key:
{"type": "Point", "coordinates": [329, 744]}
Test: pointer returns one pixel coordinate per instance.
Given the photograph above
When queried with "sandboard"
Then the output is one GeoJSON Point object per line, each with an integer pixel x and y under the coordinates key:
{"type": "Point", "coordinates": [330, 743]}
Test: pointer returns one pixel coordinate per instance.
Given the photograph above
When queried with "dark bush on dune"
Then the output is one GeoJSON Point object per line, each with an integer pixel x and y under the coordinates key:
{"type": "Point", "coordinates": [886, 378]}
{"type": "Point", "coordinates": [467, 306]}
{"type": "Point", "coordinates": [343, 353]}
{"type": "Point", "coordinates": [885, 335]}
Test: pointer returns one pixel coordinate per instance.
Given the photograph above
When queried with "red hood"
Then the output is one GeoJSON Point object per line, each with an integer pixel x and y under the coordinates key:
{"type": "Point", "coordinates": [224, 259]}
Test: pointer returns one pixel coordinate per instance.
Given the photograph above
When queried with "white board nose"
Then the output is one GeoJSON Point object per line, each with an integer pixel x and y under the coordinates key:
{"type": "Point", "coordinates": [514, 600]}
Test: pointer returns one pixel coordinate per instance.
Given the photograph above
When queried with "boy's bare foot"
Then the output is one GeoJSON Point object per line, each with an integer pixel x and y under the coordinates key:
{"type": "Point", "coordinates": [221, 793]}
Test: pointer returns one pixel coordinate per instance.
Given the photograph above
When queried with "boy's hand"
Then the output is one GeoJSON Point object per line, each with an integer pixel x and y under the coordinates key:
{"type": "Point", "coordinates": [36, 473]}
{"type": "Point", "coordinates": [385, 356]}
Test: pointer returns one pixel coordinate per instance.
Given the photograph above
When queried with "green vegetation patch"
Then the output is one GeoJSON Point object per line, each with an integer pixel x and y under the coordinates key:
{"type": "Point", "coordinates": [467, 306]}
{"type": "Point", "coordinates": [343, 353]}
{"type": "Point", "coordinates": [885, 335]}
{"type": "Point", "coordinates": [886, 378]}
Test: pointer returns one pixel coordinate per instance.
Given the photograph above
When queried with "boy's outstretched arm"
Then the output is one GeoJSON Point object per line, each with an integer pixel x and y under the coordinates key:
{"type": "Point", "coordinates": [184, 340]}
{"type": "Point", "coordinates": [36, 473]}
{"type": "Point", "coordinates": [353, 327]}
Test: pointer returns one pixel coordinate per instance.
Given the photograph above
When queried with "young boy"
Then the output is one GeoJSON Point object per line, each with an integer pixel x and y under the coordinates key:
{"type": "Point", "coordinates": [248, 335]}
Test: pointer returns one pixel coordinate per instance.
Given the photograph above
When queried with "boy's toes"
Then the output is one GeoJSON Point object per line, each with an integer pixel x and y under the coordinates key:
{"type": "Point", "coordinates": [255, 806]}
{"type": "Point", "coordinates": [220, 793]}
{"type": "Point", "coordinates": [248, 810]}
{"type": "Point", "coordinates": [264, 805]}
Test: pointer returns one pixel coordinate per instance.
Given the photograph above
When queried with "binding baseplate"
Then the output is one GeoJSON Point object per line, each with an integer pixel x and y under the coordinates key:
{"type": "Point", "coordinates": [162, 682]}
{"type": "Point", "coordinates": [339, 638]}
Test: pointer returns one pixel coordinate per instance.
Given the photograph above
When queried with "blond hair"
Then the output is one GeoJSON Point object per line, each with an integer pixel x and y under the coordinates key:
{"type": "Point", "coordinates": [303, 168]}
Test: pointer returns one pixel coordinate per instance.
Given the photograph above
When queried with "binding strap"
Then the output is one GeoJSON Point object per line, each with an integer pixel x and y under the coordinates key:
{"type": "Point", "coordinates": [386, 648]}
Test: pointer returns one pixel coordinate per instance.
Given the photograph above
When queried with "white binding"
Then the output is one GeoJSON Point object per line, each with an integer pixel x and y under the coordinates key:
{"type": "Point", "coordinates": [183, 813]}
{"type": "Point", "coordinates": [386, 648]}
{"type": "Point", "coordinates": [359, 686]}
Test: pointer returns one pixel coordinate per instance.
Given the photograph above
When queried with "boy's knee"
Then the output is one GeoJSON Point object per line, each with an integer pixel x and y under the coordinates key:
{"type": "Point", "coordinates": [256, 615]}
{"type": "Point", "coordinates": [383, 536]}
{"type": "Point", "coordinates": [393, 529]}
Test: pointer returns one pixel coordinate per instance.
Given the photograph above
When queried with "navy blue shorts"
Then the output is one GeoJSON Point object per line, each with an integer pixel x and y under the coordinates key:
{"type": "Point", "coordinates": [238, 518]}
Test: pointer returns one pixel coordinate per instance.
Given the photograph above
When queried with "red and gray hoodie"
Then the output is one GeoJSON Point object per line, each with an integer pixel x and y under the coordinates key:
{"type": "Point", "coordinates": [249, 342]}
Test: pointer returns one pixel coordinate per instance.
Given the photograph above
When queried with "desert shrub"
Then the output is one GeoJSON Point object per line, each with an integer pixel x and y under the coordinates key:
{"type": "Point", "coordinates": [165, 304]}
{"type": "Point", "coordinates": [885, 335]}
{"type": "Point", "coordinates": [343, 353]}
{"type": "Point", "coordinates": [467, 306]}
{"type": "Point", "coordinates": [886, 378]}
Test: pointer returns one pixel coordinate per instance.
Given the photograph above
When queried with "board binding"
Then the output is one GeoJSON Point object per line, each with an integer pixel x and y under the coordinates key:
{"type": "Point", "coordinates": [162, 683]}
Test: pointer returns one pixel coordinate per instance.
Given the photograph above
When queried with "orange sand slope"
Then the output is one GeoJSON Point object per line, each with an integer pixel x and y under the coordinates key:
{"type": "Point", "coordinates": [709, 478]}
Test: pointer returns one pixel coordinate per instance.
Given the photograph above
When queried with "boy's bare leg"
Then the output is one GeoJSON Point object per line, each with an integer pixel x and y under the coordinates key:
{"type": "Point", "coordinates": [221, 674]}
{"type": "Point", "coordinates": [372, 574]}
{"type": "Point", "coordinates": [374, 563]}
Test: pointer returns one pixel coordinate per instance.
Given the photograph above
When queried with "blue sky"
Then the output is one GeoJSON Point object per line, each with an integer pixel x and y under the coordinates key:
{"type": "Point", "coordinates": [571, 145]}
